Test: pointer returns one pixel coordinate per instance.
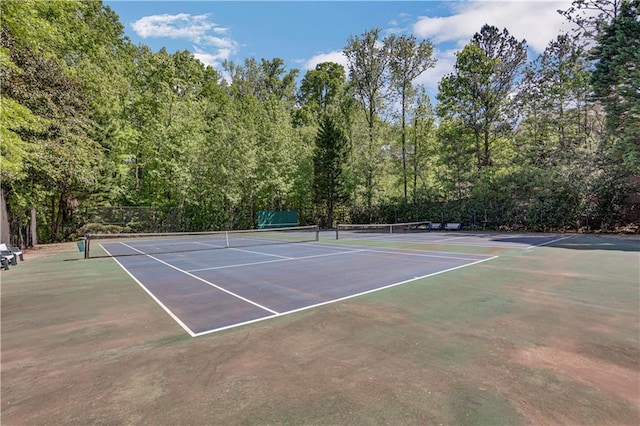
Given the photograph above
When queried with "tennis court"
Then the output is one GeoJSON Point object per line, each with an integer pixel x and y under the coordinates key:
{"type": "Point", "coordinates": [416, 232]}
{"type": "Point", "coordinates": [546, 335]}
{"type": "Point", "coordinates": [207, 290]}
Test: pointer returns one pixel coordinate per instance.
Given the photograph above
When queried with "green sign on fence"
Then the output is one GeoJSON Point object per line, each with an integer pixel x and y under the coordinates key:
{"type": "Point", "coordinates": [277, 219]}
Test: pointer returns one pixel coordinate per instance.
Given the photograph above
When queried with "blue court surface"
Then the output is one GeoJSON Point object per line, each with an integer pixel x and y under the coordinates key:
{"type": "Point", "coordinates": [211, 290]}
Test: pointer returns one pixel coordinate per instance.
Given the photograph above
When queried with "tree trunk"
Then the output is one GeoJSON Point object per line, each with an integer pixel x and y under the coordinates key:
{"type": "Point", "coordinates": [486, 160]}
{"type": "Point", "coordinates": [33, 227]}
{"type": "Point", "coordinates": [370, 166]}
{"type": "Point", "coordinates": [5, 234]}
{"type": "Point", "coordinates": [404, 145]}
{"type": "Point", "coordinates": [57, 210]}
{"type": "Point", "coordinates": [330, 212]}
{"type": "Point", "coordinates": [52, 219]}
{"type": "Point", "coordinates": [477, 137]}
{"type": "Point", "coordinates": [415, 163]}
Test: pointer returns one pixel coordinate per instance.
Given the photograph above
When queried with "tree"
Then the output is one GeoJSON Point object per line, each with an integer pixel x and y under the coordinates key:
{"type": "Point", "coordinates": [65, 159]}
{"type": "Point", "coordinates": [368, 63]}
{"type": "Point", "coordinates": [616, 81]}
{"type": "Point", "coordinates": [553, 101]}
{"type": "Point", "coordinates": [455, 157]}
{"type": "Point", "coordinates": [321, 88]}
{"type": "Point", "coordinates": [478, 90]}
{"type": "Point", "coordinates": [591, 15]}
{"type": "Point", "coordinates": [407, 59]}
{"type": "Point", "coordinates": [421, 132]}
{"type": "Point", "coordinates": [268, 78]}
{"type": "Point", "coordinates": [275, 81]}
{"type": "Point", "coordinates": [54, 57]}
{"type": "Point", "coordinates": [329, 158]}
{"type": "Point", "coordinates": [272, 146]}
{"type": "Point", "coordinates": [15, 151]}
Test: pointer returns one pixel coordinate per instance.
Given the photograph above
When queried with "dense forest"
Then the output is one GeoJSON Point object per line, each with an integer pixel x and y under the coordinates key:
{"type": "Point", "coordinates": [95, 128]}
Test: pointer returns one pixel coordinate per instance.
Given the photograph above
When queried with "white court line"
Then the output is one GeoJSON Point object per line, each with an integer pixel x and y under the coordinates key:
{"type": "Point", "coordinates": [343, 298]}
{"type": "Point", "coordinates": [162, 305]}
{"type": "Point", "coordinates": [420, 255]}
{"type": "Point", "coordinates": [206, 282]}
{"type": "Point", "coordinates": [206, 244]}
{"type": "Point", "coordinates": [262, 253]}
{"type": "Point", "coordinates": [402, 250]}
{"type": "Point", "coordinates": [288, 259]}
{"type": "Point", "coordinates": [331, 254]}
{"type": "Point", "coordinates": [152, 243]}
{"type": "Point", "coordinates": [449, 239]}
{"type": "Point", "coordinates": [451, 242]}
{"type": "Point", "coordinates": [245, 251]}
{"type": "Point", "coordinates": [549, 242]}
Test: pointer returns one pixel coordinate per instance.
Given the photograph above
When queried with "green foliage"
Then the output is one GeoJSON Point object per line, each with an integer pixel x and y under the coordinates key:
{"type": "Point", "coordinates": [478, 91]}
{"type": "Point", "coordinates": [322, 88]}
{"type": "Point", "coordinates": [421, 136]}
{"type": "Point", "coordinates": [616, 81]}
{"type": "Point", "coordinates": [407, 60]}
{"type": "Point", "coordinates": [15, 120]}
{"type": "Point", "coordinates": [554, 102]}
{"type": "Point", "coordinates": [329, 159]}
{"type": "Point", "coordinates": [368, 64]}
{"type": "Point", "coordinates": [454, 160]}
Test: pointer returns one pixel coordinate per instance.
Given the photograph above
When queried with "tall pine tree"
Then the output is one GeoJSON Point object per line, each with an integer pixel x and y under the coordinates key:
{"type": "Point", "coordinates": [329, 158]}
{"type": "Point", "coordinates": [616, 81]}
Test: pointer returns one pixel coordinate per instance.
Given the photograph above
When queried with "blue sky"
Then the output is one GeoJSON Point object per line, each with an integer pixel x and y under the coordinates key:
{"type": "Point", "coordinates": [305, 33]}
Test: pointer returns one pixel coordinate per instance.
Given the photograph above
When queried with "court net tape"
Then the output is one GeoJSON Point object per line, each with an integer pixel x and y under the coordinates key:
{"type": "Point", "coordinates": [376, 229]}
{"type": "Point", "coordinates": [127, 244]}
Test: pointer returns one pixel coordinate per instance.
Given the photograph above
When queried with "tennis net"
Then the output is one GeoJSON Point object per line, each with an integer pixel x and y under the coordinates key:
{"type": "Point", "coordinates": [377, 229]}
{"type": "Point", "coordinates": [127, 244]}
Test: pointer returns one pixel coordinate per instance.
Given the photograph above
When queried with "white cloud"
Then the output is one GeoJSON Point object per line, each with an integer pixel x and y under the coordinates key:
{"type": "Point", "coordinates": [220, 42]}
{"type": "Point", "coordinates": [335, 56]}
{"type": "Point", "coordinates": [211, 59]}
{"type": "Point", "coordinates": [180, 26]}
{"type": "Point", "coordinates": [197, 29]}
{"type": "Point", "coordinates": [207, 59]}
{"type": "Point", "coordinates": [536, 21]}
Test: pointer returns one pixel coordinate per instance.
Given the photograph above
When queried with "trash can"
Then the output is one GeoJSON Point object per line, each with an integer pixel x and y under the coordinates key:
{"type": "Point", "coordinates": [80, 244]}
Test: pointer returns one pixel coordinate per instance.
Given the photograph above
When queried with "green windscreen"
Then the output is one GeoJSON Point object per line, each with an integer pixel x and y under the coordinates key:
{"type": "Point", "coordinates": [277, 219]}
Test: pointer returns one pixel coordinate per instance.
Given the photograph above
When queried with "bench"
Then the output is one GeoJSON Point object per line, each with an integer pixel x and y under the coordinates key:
{"type": "Point", "coordinates": [452, 227]}
{"type": "Point", "coordinates": [17, 252]}
{"type": "Point", "coordinates": [6, 254]}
